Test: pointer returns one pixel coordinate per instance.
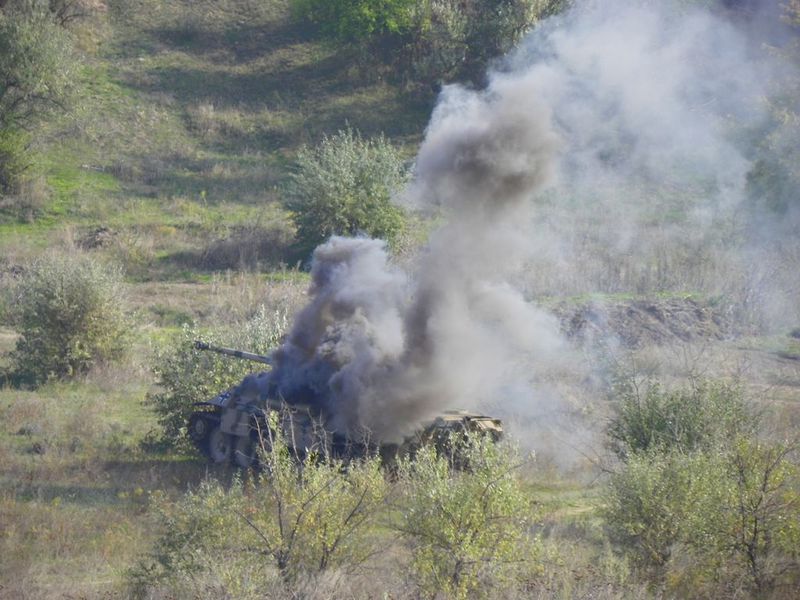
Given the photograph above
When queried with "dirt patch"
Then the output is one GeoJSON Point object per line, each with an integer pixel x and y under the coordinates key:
{"type": "Point", "coordinates": [637, 323]}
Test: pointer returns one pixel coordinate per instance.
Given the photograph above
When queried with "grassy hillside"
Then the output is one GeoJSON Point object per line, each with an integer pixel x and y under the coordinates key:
{"type": "Point", "coordinates": [185, 122]}
{"type": "Point", "coordinates": [186, 119]}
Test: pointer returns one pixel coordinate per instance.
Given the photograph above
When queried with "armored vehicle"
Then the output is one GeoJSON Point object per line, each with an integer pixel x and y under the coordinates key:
{"type": "Point", "coordinates": [233, 425]}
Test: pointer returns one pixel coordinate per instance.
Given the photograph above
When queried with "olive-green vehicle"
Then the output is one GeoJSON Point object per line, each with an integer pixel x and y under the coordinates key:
{"type": "Point", "coordinates": [232, 426]}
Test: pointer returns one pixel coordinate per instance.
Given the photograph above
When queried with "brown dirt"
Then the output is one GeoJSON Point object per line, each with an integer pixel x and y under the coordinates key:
{"type": "Point", "coordinates": [637, 323]}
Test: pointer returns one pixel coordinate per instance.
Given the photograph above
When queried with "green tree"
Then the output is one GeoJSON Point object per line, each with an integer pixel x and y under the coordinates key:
{"type": "Point", "coordinates": [702, 500]}
{"type": "Point", "coordinates": [344, 186]}
{"type": "Point", "coordinates": [35, 70]}
{"type": "Point", "coordinates": [70, 313]}
{"type": "Point", "coordinates": [647, 503]}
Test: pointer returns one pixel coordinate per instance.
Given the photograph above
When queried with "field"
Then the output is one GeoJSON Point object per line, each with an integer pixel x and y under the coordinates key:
{"type": "Point", "coordinates": [172, 165]}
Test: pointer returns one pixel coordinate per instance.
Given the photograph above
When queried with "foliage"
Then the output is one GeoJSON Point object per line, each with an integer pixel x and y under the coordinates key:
{"type": "Point", "coordinates": [344, 186]}
{"type": "Point", "coordinates": [744, 530]}
{"type": "Point", "coordinates": [356, 20]}
{"type": "Point", "coordinates": [65, 12]}
{"type": "Point", "coordinates": [35, 71]}
{"type": "Point", "coordinates": [69, 311]}
{"type": "Point", "coordinates": [648, 501]}
{"type": "Point", "coordinates": [13, 162]}
{"type": "Point", "coordinates": [733, 513]}
{"type": "Point", "coordinates": [292, 520]}
{"type": "Point", "coordinates": [464, 527]}
{"type": "Point", "coordinates": [698, 477]}
{"type": "Point", "coordinates": [186, 375]}
{"type": "Point", "coordinates": [648, 417]}
{"type": "Point", "coordinates": [429, 40]}
{"type": "Point", "coordinates": [453, 39]}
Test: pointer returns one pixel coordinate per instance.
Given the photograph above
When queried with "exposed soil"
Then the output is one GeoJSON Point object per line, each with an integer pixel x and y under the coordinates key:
{"type": "Point", "coordinates": [637, 323]}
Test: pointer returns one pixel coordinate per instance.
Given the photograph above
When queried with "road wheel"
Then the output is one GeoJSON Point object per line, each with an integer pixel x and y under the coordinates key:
{"type": "Point", "coordinates": [199, 428]}
{"type": "Point", "coordinates": [219, 446]}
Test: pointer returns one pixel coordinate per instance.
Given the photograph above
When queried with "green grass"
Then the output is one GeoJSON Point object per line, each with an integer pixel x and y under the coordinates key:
{"type": "Point", "coordinates": [782, 346]}
{"type": "Point", "coordinates": [186, 117]}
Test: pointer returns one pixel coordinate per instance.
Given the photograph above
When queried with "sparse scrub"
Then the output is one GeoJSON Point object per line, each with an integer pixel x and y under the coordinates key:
{"type": "Point", "coordinates": [344, 186]}
{"type": "Point", "coordinates": [70, 313]}
{"type": "Point", "coordinates": [187, 375]}
{"type": "Point", "coordinates": [256, 247]}
{"type": "Point", "coordinates": [292, 521]}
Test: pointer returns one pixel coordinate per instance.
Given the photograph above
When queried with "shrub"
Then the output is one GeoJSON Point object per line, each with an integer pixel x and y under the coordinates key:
{"type": "Point", "coordinates": [69, 310]}
{"type": "Point", "coordinates": [356, 20]}
{"type": "Point", "coordinates": [698, 478]}
{"type": "Point", "coordinates": [647, 503]}
{"type": "Point", "coordinates": [715, 521]}
{"type": "Point", "coordinates": [292, 521]}
{"type": "Point", "coordinates": [648, 417]}
{"type": "Point", "coordinates": [464, 527]}
{"type": "Point", "coordinates": [743, 530]}
{"type": "Point", "coordinates": [12, 159]}
{"type": "Point", "coordinates": [344, 187]}
{"type": "Point", "coordinates": [187, 375]}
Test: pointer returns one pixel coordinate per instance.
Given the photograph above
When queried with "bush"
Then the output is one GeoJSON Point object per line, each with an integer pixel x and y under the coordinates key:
{"type": "Point", "coordinates": [69, 311]}
{"type": "Point", "coordinates": [648, 502]}
{"type": "Point", "coordinates": [714, 522]}
{"type": "Point", "coordinates": [13, 163]}
{"type": "Point", "coordinates": [465, 528]}
{"type": "Point", "coordinates": [356, 20]}
{"type": "Point", "coordinates": [344, 186]}
{"type": "Point", "coordinates": [743, 531]}
{"type": "Point", "coordinates": [429, 40]}
{"type": "Point", "coordinates": [292, 521]}
{"type": "Point", "coordinates": [701, 500]}
{"type": "Point", "coordinates": [648, 417]}
{"type": "Point", "coordinates": [187, 375]}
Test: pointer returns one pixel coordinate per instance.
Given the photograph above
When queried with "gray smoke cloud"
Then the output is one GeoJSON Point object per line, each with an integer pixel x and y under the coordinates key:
{"type": "Point", "coordinates": [665, 110]}
{"type": "Point", "coordinates": [381, 350]}
{"type": "Point", "coordinates": [610, 153]}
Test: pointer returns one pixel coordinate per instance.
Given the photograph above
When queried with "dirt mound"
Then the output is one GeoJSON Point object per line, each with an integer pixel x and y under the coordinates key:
{"type": "Point", "coordinates": [99, 237]}
{"type": "Point", "coordinates": [637, 323]}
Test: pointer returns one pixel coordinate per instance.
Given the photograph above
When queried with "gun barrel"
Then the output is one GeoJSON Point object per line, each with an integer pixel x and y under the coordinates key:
{"type": "Point", "coordinates": [231, 352]}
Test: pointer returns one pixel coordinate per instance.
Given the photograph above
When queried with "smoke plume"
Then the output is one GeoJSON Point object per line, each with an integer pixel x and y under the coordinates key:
{"type": "Point", "coordinates": [614, 151]}
{"type": "Point", "coordinates": [380, 350]}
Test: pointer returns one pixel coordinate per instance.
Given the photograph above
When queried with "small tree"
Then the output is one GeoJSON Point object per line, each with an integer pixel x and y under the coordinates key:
{"type": "Point", "coordinates": [35, 71]}
{"type": "Point", "coordinates": [744, 526]}
{"type": "Point", "coordinates": [344, 186]}
{"type": "Point", "coordinates": [69, 310]}
{"type": "Point", "coordinates": [464, 527]}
